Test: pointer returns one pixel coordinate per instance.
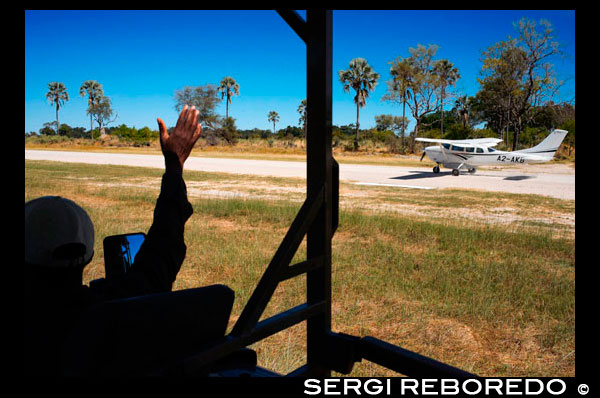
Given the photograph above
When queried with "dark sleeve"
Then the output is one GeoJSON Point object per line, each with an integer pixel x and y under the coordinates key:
{"type": "Point", "coordinates": [160, 257]}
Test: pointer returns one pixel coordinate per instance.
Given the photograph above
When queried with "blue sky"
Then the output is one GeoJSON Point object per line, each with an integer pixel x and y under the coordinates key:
{"type": "Point", "coordinates": [142, 57]}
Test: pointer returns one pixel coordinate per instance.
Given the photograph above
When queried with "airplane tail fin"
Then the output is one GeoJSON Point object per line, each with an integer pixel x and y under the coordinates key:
{"type": "Point", "coordinates": [549, 146]}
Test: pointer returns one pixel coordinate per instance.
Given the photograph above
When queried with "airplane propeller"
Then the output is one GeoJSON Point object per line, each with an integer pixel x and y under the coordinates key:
{"type": "Point", "coordinates": [422, 156]}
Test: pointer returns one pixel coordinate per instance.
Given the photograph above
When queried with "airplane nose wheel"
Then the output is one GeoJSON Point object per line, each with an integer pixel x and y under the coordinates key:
{"type": "Point", "coordinates": [455, 172]}
{"type": "Point", "coordinates": [473, 170]}
{"type": "Point", "coordinates": [436, 169]}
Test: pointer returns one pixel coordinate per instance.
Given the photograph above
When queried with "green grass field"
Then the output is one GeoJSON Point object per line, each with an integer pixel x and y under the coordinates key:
{"type": "Point", "coordinates": [492, 298]}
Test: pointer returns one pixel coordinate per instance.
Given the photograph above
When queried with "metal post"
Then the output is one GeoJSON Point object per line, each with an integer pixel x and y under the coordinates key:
{"type": "Point", "coordinates": [319, 174]}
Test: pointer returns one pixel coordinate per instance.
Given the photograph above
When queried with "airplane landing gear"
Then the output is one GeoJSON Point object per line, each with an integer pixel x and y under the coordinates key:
{"type": "Point", "coordinates": [455, 172]}
{"type": "Point", "coordinates": [473, 170]}
{"type": "Point", "coordinates": [436, 169]}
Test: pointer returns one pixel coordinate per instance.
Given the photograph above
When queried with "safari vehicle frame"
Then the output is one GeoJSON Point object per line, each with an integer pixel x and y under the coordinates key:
{"type": "Point", "coordinates": [317, 219]}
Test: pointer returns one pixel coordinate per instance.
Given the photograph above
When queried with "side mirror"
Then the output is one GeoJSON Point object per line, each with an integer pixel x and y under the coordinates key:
{"type": "Point", "coordinates": [120, 252]}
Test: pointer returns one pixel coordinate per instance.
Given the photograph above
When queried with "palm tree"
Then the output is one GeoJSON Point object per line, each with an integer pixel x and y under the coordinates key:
{"type": "Point", "coordinates": [57, 95]}
{"type": "Point", "coordinates": [273, 117]}
{"type": "Point", "coordinates": [362, 78]}
{"type": "Point", "coordinates": [447, 75]}
{"type": "Point", "coordinates": [95, 92]}
{"type": "Point", "coordinates": [228, 87]}
{"type": "Point", "coordinates": [401, 72]}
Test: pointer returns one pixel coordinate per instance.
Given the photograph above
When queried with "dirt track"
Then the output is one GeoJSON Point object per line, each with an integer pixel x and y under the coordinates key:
{"type": "Point", "coordinates": [553, 180]}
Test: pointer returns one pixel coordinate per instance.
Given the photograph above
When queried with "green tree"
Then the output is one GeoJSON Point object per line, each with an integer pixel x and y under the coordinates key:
{"type": "Point", "coordinates": [102, 111]}
{"type": "Point", "coordinates": [517, 77]}
{"type": "Point", "coordinates": [446, 75]}
{"type": "Point", "coordinates": [48, 129]}
{"type": "Point", "coordinates": [302, 111]}
{"type": "Point", "coordinates": [204, 98]}
{"type": "Point", "coordinates": [65, 130]}
{"type": "Point", "coordinates": [228, 88]}
{"type": "Point", "coordinates": [273, 117]}
{"type": "Point", "coordinates": [434, 120]}
{"type": "Point", "coordinates": [229, 131]}
{"type": "Point", "coordinates": [563, 117]}
{"type": "Point", "coordinates": [94, 91]}
{"type": "Point", "coordinates": [57, 95]}
{"type": "Point", "coordinates": [389, 123]}
{"type": "Point", "coordinates": [361, 77]}
{"type": "Point", "coordinates": [462, 109]}
{"type": "Point", "coordinates": [457, 131]}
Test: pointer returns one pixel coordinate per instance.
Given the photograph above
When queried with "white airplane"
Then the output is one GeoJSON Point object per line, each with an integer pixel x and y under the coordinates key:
{"type": "Point", "coordinates": [468, 154]}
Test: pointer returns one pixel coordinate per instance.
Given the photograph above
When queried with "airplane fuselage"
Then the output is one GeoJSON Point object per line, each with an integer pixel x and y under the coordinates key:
{"type": "Point", "coordinates": [469, 157]}
{"type": "Point", "coordinates": [469, 154]}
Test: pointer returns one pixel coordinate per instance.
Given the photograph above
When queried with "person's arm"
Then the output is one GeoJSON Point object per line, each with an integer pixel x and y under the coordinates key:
{"type": "Point", "coordinates": [162, 253]}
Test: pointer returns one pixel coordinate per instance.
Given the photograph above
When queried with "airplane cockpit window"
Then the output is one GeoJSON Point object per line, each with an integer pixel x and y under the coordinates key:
{"type": "Point", "coordinates": [446, 146]}
{"type": "Point", "coordinates": [470, 149]}
{"type": "Point", "coordinates": [458, 148]}
{"type": "Point", "coordinates": [491, 150]}
{"type": "Point", "coordinates": [479, 150]}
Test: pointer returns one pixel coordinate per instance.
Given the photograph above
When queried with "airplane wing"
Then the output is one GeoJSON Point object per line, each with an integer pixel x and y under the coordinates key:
{"type": "Point", "coordinates": [487, 142]}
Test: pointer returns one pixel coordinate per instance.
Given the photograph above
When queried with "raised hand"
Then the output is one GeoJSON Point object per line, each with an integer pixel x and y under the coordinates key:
{"type": "Point", "coordinates": [183, 137]}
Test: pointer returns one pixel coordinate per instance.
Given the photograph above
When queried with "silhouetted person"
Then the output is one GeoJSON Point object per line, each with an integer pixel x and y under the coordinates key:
{"type": "Point", "coordinates": [59, 243]}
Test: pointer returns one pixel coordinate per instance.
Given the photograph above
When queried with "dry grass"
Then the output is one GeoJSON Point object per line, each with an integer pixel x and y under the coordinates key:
{"type": "Point", "coordinates": [483, 296]}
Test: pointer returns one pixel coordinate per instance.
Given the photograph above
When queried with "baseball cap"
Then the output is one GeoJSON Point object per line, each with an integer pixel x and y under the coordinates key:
{"type": "Point", "coordinates": [58, 233]}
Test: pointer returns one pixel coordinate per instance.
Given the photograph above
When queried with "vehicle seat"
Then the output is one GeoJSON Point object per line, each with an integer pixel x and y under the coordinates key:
{"type": "Point", "coordinates": [135, 336]}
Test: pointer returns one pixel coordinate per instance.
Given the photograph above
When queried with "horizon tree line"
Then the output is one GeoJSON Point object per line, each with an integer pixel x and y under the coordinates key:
{"type": "Point", "coordinates": [516, 84]}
